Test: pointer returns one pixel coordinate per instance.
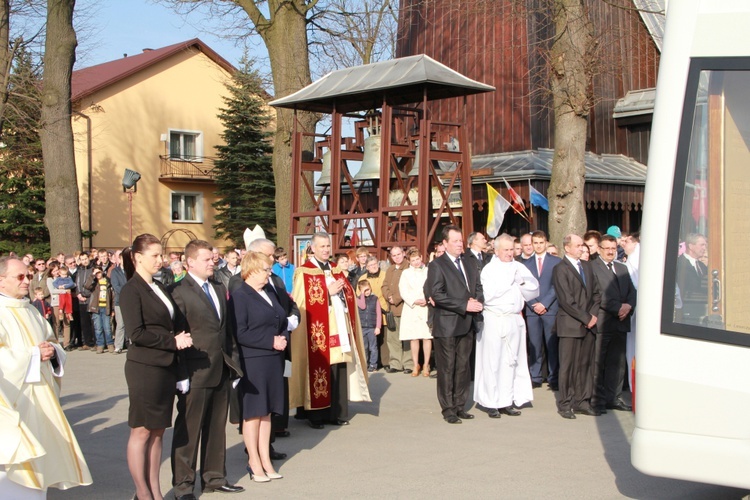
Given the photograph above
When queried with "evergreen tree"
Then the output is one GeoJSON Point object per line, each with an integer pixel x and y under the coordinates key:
{"type": "Point", "coordinates": [22, 202]}
{"type": "Point", "coordinates": [244, 175]}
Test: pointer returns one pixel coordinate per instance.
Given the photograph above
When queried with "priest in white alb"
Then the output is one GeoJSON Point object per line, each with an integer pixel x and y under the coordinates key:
{"type": "Point", "coordinates": [37, 447]}
{"type": "Point", "coordinates": [502, 382]}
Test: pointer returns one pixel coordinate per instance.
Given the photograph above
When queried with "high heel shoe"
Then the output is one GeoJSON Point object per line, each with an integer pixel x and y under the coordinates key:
{"type": "Point", "coordinates": [274, 475]}
{"type": "Point", "coordinates": [415, 372]}
{"type": "Point", "coordinates": [257, 478]}
{"type": "Point", "coordinates": [426, 371]}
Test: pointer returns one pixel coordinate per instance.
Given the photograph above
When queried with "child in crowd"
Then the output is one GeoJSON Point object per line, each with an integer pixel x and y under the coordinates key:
{"type": "Point", "coordinates": [343, 262]}
{"type": "Point", "coordinates": [65, 282]}
{"type": "Point", "coordinates": [283, 268]}
{"type": "Point", "coordinates": [370, 318]}
{"type": "Point", "coordinates": [42, 305]}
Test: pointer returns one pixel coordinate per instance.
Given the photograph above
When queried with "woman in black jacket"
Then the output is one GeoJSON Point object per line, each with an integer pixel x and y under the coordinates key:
{"type": "Point", "coordinates": [261, 328]}
{"type": "Point", "coordinates": [151, 366]}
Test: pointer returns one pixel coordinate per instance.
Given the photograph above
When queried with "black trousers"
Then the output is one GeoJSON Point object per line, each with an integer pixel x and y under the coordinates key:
{"type": "Point", "coordinates": [339, 409]}
{"type": "Point", "coordinates": [609, 368]}
{"type": "Point", "coordinates": [576, 380]}
{"type": "Point", "coordinates": [201, 422]}
{"type": "Point", "coordinates": [87, 327]}
{"type": "Point", "coordinates": [453, 357]}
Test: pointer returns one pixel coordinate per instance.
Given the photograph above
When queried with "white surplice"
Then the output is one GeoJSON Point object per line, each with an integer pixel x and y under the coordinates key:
{"type": "Point", "coordinates": [502, 372]}
{"type": "Point", "coordinates": [633, 263]}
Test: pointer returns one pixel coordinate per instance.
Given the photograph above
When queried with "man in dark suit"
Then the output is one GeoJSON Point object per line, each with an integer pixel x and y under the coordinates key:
{"type": "Point", "coordinates": [612, 326]}
{"type": "Point", "coordinates": [692, 280]}
{"type": "Point", "coordinates": [541, 313]}
{"type": "Point", "coordinates": [578, 298]}
{"type": "Point", "coordinates": [279, 423]}
{"type": "Point", "coordinates": [476, 254]}
{"type": "Point", "coordinates": [456, 292]}
{"type": "Point", "coordinates": [209, 366]}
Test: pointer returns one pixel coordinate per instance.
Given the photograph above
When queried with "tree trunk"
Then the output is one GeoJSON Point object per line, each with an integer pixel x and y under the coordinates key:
{"type": "Point", "coordinates": [286, 42]}
{"type": "Point", "coordinates": [570, 83]}
{"type": "Point", "coordinates": [6, 58]}
{"type": "Point", "coordinates": [63, 216]}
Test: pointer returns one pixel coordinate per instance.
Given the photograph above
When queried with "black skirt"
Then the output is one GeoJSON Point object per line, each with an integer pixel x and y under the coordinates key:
{"type": "Point", "coordinates": [262, 387]}
{"type": "Point", "coordinates": [151, 390]}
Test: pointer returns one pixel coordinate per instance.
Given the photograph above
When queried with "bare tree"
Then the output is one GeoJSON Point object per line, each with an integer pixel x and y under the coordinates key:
{"type": "Point", "coordinates": [63, 215]}
{"type": "Point", "coordinates": [282, 24]}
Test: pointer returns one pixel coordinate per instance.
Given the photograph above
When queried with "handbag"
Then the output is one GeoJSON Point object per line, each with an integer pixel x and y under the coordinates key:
{"type": "Point", "coordinates": [390, 320]}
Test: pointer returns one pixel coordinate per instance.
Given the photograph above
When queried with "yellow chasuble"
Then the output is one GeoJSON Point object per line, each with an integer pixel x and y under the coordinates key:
{"type": "Point", "coordinates": [37, 446]}
{"type": "Point", "coordinates": [318, 342]}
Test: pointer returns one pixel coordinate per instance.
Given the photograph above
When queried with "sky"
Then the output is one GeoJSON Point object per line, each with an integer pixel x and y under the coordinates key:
{"type": "Point", "coordinates": [116, 27]}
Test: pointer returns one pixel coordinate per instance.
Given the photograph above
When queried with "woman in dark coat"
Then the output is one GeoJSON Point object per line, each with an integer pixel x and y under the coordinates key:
{"type": "Point", "coordinates": [261, 328]}
{"type": "Point", "coordinates": [151, 366]}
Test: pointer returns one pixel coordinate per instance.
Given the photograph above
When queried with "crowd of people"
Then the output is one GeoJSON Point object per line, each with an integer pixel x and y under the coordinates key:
{"type": "Point", "coordinates": [246, 337]}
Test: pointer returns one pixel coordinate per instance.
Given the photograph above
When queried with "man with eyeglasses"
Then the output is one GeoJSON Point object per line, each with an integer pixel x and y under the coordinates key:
{"type": "Point", "coordinates": [40, 450]}
{"type": "Point", "coordinates": [39, 280]}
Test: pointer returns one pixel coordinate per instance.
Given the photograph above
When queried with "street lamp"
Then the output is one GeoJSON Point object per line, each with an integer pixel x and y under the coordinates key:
{"type": "Point", "coordinates": [130, 186]}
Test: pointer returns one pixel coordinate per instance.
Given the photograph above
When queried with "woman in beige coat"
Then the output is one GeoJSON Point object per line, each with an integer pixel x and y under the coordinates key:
{"type": "Point", "coordinates": [414, 314]}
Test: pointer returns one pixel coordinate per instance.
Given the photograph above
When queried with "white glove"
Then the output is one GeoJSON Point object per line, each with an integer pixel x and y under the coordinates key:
{"type": "Point", "coordinates": [293, 322]}
{"type": "Point", "coordinates": [183, 386]}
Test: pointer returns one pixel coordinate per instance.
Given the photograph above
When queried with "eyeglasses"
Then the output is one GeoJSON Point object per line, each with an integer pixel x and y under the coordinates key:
{"type": "Point", "coordinates": [21, 277]}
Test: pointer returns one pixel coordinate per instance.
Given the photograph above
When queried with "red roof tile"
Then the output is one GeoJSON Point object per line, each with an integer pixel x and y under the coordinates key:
{"type": "Point", "coordinates": [86, 81]}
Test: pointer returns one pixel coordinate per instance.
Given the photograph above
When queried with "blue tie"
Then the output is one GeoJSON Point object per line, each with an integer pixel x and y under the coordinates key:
{"type": "Point", "coordinates": [208, 294]}
{"type": "Point", "coordinates": [580, 270]}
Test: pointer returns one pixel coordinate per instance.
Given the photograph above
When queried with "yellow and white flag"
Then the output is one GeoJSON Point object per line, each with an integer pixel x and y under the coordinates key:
{"type": "Point", "coordinates": [497, 208]}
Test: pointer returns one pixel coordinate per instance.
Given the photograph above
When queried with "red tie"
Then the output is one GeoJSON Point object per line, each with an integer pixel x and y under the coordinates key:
{"type": "Point", "coordinates": [539, 265]}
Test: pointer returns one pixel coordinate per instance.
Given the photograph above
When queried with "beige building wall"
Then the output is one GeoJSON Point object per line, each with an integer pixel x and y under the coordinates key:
{"type": "Point", "coordinates": [124, 129]}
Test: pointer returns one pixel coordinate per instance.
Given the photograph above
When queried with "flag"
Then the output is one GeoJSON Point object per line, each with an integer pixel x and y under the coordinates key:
{"type": "Point", "coordinates": [537, 199]}
{"type": "Point", "coordinates": [515, 199]}
{"type": "Point", "coordinates": [497, 208]}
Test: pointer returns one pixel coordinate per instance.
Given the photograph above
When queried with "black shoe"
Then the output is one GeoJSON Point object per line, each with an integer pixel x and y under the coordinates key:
{"type": "Point", "coordinates": [452, 419]}
{"type": "Point", "coordinates": [536, 385]}
{"type": "Point", "coordinates": [316, 425]}
{"type": "Point", "coordinates": [620, 405]}
{"type": "Point", "coordinates": [553, 387]}
{"type": "Point", "coordinates": [189, 496]}
{"type": "Point", "coordinates": [433, 375]}
{"type": "Point", "coordinates": [493, 413]}
{"type": "Point", "coordinates": [587, 411]}
{"type": "Point", "coordinates": [227, 488]}
{"type": "Point", "coordinates": [277, 455]}
{"type": "Point", "coordinates": [567, 414]}
{"type": "Point", "coordinates": [509, 410]}
{"type": "Point", "coordinates": [339, 422]}
{"type": "Point", "coordinates": [408, 370]}
{"type": "Point", "coordinates": [388, 369]}
{"type": "Point", "coordinates": [282, 434]}
{"type": "Point", "coordinates": [466, 416]}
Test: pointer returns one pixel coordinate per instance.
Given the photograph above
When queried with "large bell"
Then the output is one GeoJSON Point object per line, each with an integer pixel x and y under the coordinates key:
{"type": "Point", "coordinates": [370, 168]}
{"type": "Point", "coordinates": [415, 168]}
{"type": "Point", "coordinates": [325, 173]}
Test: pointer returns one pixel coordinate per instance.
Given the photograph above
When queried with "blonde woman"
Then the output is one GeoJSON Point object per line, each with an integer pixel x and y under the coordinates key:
{"type": "Point", "coordinates": [414, 314]}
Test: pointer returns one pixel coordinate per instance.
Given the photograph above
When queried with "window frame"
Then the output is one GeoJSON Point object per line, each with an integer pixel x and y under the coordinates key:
{"type": "Point", "coordinates": [198, 157]}
{"type": "Point", "coordinates": [198, 210]}
{"type": "Point", "coordinates": [668, 325]}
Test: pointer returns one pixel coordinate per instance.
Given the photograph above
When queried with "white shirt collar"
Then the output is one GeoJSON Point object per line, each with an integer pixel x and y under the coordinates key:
{"type": "Point", "coordinates": [573, 261]}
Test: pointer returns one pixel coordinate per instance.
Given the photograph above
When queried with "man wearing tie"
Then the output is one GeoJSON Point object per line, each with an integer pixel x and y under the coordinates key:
{"type": "Point", "coordinates": [475, 253]}
{"type": "Point", "coordinates": [692, 279]}
{"type": "Point", "coordinates": [613, 324]}
{"type": "Point", "coordinates": [578, 298]}
{"type": "Point", "coordinates": [541, 313]}
{"type": "Point", "coordinates": [456, 292]}
{"type": "Point", "coordinates": [206, 370]}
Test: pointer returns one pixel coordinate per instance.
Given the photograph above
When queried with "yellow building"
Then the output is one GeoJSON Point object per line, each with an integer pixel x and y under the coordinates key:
{"type": "Point", "coordinates": [154, 113]}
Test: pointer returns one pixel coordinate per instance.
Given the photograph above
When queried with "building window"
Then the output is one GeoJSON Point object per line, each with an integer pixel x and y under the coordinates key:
{"type": "Point", "coordinates": [187, 207]}
{"type": "Point", "coordinates": [185, 145]}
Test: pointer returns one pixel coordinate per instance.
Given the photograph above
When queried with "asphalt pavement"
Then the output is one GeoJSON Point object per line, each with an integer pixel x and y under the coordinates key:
{"type": "Point", "coordinates": [398, 446]}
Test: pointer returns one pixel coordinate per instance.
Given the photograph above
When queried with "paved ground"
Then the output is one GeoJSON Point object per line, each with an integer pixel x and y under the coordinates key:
{"type": "Point", "coordinates": [396, 447]}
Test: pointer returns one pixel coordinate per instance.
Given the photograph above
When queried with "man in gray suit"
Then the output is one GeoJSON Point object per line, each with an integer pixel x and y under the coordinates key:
{"type": "Point", "coordinates": [206, 370]}
{"type": "Point", "coordinates": [456, 292]}
{"type": "Point", "coordinates": [613, 325]}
